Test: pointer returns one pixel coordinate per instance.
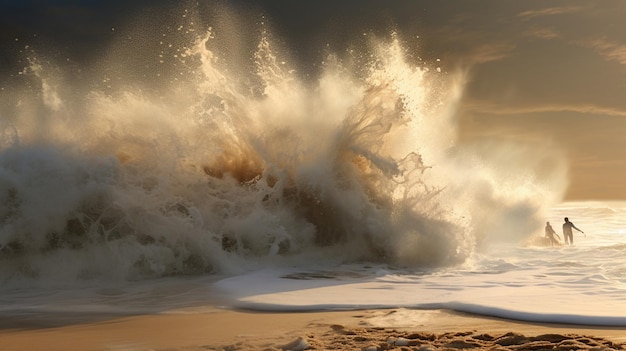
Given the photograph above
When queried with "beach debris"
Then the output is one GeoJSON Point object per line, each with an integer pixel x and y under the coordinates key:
{"type": "Point", "coordinates": [401, 341]}
{"type": "Point", "coordinates": [300, 344]}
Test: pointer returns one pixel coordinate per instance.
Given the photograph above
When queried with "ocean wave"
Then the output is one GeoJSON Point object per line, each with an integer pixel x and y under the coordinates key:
{"type": "Point", "coordinates": [208, 165]}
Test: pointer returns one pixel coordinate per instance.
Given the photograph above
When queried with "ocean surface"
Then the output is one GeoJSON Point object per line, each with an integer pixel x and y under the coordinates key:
{"type": "Point", "coordinates": [194, 170]}
{"type": "Point", "coordinates": [579, 284]}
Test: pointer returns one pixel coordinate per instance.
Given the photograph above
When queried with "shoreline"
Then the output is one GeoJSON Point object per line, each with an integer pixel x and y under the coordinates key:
{"type": "Point", "coordinates": [224, 329]}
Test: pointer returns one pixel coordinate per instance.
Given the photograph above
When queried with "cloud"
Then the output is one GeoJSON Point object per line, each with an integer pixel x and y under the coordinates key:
{"type": "Point", "coordinates": [470, 46]}
{"type": "Point", "coordinates": [541, 33]}
{"type": "Point", "coordinates": [612, 51]}
{"type": "Point", "coordinates": [551, 11]}
{"type": "Point", "coordinates": [494, 108]}
{"type": "Point", "coordinates": [490, 52]}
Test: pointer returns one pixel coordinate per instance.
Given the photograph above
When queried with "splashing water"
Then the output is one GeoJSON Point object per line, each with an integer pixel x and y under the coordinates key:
{"type": "Point", "coordinates": [216, 167]}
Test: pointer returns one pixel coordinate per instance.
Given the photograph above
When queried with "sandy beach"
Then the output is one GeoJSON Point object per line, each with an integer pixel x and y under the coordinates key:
{"type": "Point", "coordinates": [218, 329]}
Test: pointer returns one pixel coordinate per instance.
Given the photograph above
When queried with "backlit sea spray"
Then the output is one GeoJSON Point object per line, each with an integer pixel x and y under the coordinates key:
{"type": "Point", "coordinates": [184, 157]}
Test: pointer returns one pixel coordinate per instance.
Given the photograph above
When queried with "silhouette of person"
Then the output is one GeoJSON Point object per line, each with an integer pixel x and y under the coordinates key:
{"type": "Point", "coordinates": [550, 233]}
{"type": "Point", "coordinates": [567, 231]}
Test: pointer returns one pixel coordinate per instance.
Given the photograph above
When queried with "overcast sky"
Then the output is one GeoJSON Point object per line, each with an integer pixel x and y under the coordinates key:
{"type": "Point", "coordinates": [537, 70]}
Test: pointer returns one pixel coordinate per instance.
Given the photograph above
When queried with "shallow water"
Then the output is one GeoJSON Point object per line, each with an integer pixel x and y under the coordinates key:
{"type": "Point", "coordinates": [580, 284]}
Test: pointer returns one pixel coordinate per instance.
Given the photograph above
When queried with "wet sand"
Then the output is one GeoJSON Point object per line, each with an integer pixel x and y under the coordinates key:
{"type": "Point", "coordinates": [218, 329]}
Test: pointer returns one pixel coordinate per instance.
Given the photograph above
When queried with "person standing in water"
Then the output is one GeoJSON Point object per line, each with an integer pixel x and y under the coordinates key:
{"type": "Point", "coordinates": [567, 231]}
{"type": "Point", "coordinates": [550, 233]}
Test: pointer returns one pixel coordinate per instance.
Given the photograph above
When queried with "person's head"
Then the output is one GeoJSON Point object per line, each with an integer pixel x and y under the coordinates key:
{"type": "Point", "coordinates": [547, 223]}
{"type": "Point", "coordinates": [566, 219]}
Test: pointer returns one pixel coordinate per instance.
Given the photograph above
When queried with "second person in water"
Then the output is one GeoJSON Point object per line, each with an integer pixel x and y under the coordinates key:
{"type": "Point", "coordinates": [550, 234]}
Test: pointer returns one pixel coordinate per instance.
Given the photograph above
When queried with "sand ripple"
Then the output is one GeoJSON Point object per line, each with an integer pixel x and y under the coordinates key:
{"type": "Point", "coordinates": [338, 337]}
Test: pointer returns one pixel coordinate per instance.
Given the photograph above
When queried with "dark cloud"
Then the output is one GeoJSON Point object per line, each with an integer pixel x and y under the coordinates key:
{"type": "Point", "coordinates": [79, 29]}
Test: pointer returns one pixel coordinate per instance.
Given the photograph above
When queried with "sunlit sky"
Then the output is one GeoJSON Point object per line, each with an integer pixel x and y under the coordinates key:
{"type": "Point", "coordinates": [545, 72]}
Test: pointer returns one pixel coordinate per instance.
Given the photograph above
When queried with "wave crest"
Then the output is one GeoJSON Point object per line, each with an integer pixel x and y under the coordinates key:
{"type": "Point", "coordinates": [224, 166]}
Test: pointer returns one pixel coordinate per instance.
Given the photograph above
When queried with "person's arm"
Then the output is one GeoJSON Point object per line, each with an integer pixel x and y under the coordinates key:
{"type": "Point", "coordinates": [573, 226]}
